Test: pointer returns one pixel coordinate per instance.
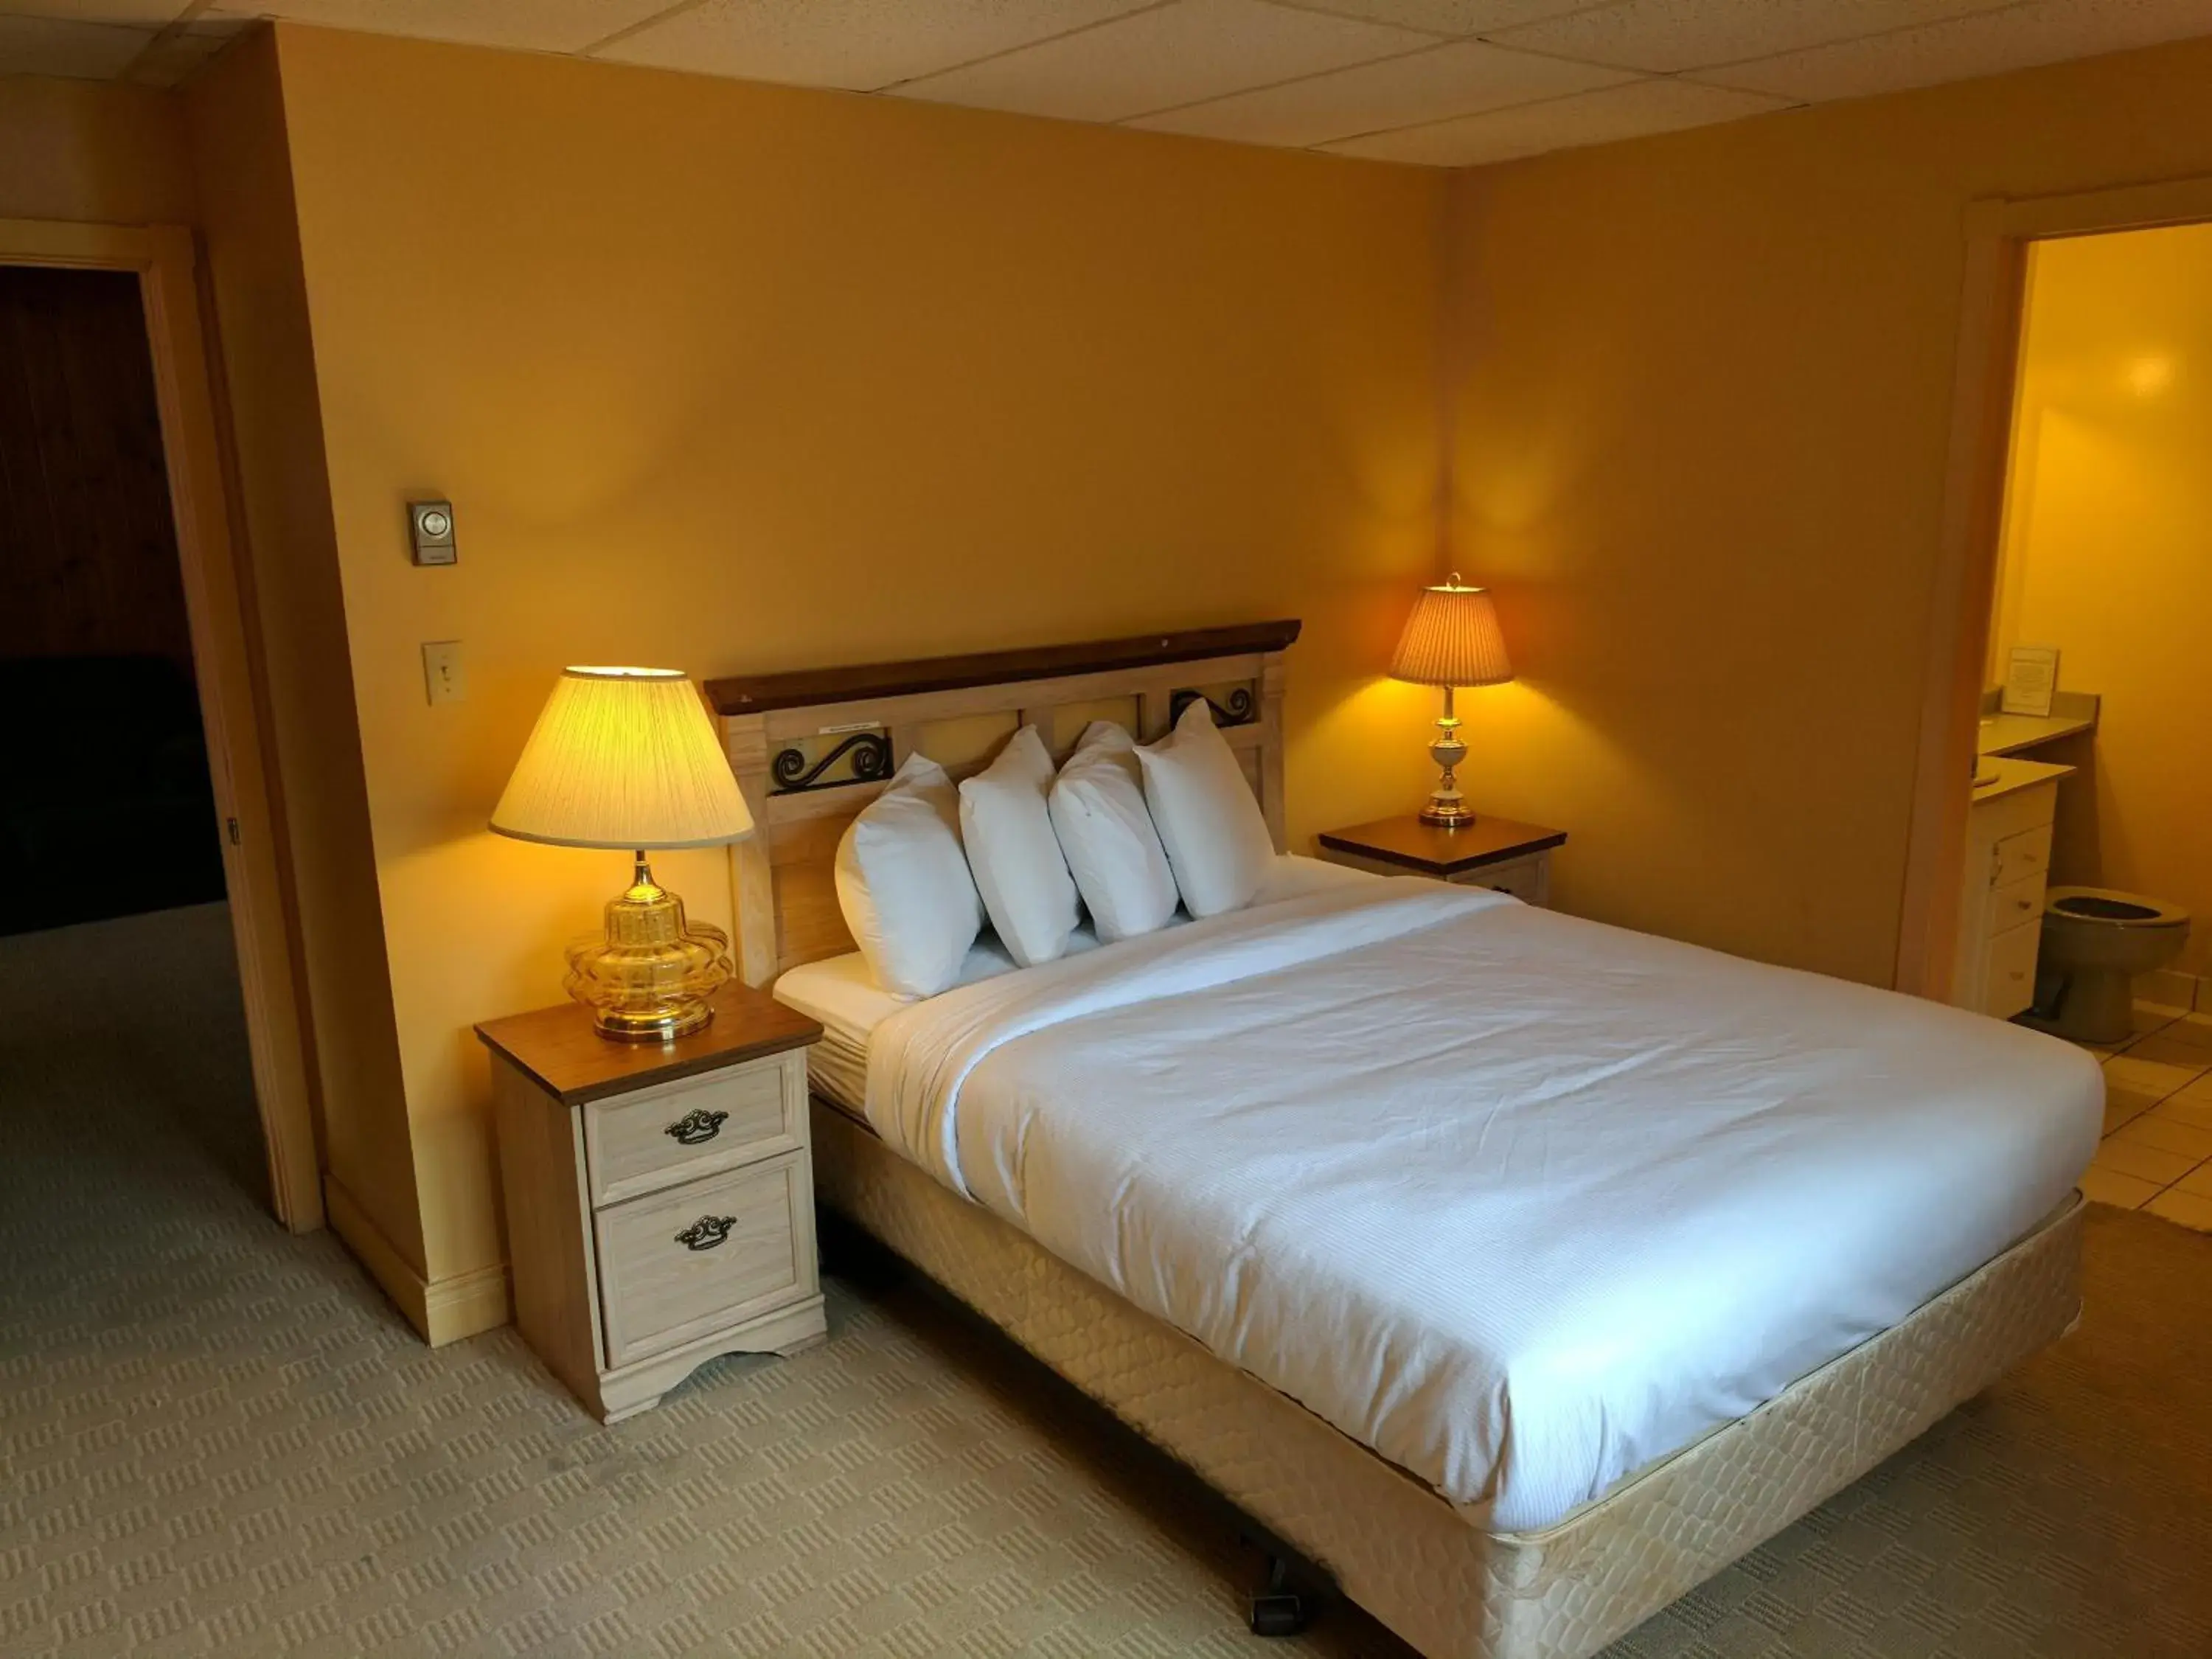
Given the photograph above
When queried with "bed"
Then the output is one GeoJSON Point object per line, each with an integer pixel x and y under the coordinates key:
{"type": "Point", "coordinates": [1521, 1272]}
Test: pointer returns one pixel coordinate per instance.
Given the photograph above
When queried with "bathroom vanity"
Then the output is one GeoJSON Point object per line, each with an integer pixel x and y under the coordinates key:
{"type": "Point", "coordinates": [2008, 867]}
{"type": "Point", "coordinates": [2009, 830]}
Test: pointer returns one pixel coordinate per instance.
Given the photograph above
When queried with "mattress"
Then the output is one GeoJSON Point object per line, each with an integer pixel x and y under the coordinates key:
{"type": "Point", "coordinates": [845, 998]}
{"type": "Point", "coordinates": [1522, 1203]}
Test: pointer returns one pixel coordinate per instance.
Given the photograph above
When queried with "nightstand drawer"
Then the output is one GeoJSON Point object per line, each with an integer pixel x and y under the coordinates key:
{"type": "Point", "coordinates": [640, 1143]}
{"type": "Point", "coordinates": [1523, 878]}
{"type": "Point", "coordinates": [681, 1264]}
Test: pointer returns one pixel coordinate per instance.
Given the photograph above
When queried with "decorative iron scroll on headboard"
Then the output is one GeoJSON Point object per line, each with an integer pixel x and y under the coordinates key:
{"type": "Point", "coordinates": [1241, 709]}
{"type": "Point", "coordinates": [794, 773]}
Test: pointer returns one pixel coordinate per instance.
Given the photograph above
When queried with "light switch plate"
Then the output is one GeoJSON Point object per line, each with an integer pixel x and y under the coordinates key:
{"type": "Point", "coordinates": [442, 678]}
{"type": "Point", "coordinates": [430, 532]}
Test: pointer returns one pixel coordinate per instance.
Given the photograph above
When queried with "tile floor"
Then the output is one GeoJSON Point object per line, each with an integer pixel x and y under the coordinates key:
{"type": "Point", "coordinates": [2157, 1155]}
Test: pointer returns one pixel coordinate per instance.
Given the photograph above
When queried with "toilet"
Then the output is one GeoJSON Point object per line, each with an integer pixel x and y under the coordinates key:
{"type": "Point", "coordinates": [2095, 941]}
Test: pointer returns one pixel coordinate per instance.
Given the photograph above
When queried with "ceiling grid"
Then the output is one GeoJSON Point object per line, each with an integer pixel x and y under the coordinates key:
{"type": "Point", "coordinates": [1435, 82]}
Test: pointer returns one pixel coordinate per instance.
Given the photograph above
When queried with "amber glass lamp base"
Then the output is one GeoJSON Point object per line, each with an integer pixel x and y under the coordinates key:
{"type": "Point", "coordinates": [649, 978]}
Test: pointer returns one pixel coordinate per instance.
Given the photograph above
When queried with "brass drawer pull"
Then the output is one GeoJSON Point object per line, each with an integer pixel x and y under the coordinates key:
{"type": "Point", "coordinates": [696, 1126]}
{"type": "Point", "coordinates": [706, 1233]}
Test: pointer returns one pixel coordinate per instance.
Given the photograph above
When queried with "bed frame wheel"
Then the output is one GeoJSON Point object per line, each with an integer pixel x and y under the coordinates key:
{"type": "Point", "coordinates": [1278, 1610]}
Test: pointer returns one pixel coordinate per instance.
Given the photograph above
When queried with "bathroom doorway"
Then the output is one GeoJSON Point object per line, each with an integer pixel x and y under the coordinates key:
{"type": "Point", "coordinates": [2071, 885]}
{"type": "Point", "coordinates": [2103, 587]}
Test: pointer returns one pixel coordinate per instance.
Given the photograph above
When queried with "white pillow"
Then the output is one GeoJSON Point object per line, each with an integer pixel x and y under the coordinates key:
{"type": "Point", "coordinates": [1106, 831]}
{"type": "Point", "coordinates": [1209, 820]}
{"type": "Point", "coordinates": [903, 885]}
{"type": "Point", "coordinates": [1014, 854]}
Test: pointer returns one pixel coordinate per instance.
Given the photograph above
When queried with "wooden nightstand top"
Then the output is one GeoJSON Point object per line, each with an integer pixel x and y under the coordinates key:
{"type": "Point", "coordinates": [1430, 850]}
{"type": "Point", "coordinates": [574, 1063]}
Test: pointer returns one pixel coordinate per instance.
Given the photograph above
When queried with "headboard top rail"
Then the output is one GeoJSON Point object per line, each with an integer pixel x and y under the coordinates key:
{"type": "Point", "coordinates": [755, 694]}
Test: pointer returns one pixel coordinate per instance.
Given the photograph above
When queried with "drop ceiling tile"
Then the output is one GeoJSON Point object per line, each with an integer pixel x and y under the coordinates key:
{"type": "Point", "coordinates": [1591, 118]}
{"type": "Point", "coordinates": [538, 25]}
{"type": "Point", "coordinates": [1444, 16]}
{"type": "Point", "coordinates": [1160, 59]}
{"type": "Point", "coordinates": [1459, 79]}
{"type": "Point", "coordinates": [72, 51]}
{"type": "Point", "coordinates": [2039, 31]}
{"type": "Point", "coordinates": [859, 44]}
{"type": "Point", "coordinates": [130, 14]}
{"type": "Point", "coordinates": [1664, 36]}
{"type": "Point", "coordinates": [176, 56]}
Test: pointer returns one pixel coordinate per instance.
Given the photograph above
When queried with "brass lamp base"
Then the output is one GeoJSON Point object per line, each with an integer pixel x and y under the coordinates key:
{"type": "Point", "coordinates": [1445, 808]}
{"type": "Point", "coordinates": [679, 1018]}
{"type": "Point", "coordinates": [648, 978]}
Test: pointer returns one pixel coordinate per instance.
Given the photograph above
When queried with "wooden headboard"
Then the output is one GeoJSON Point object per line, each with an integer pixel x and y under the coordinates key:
{"type": "Point", "coordinates": [812, 747]}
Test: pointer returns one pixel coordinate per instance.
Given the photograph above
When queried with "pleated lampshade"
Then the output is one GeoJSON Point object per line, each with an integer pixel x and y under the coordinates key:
{"type": "Point", "coordinates": [623, 758]}
{"type": "Point", "coordinates": [1452, 639]}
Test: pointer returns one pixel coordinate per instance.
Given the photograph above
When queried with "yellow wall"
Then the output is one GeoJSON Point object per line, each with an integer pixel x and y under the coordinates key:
{"type": "Point", "coordinates": [2108, 550]}
{"type": "Point", "coordinates": [1702, 385]}
{"type": "Point", "coordinates": [254, 284]}
{"type": "Point", "coordinates": [86, 151]}
{"type": "Point", "coordinates": [733, 377]}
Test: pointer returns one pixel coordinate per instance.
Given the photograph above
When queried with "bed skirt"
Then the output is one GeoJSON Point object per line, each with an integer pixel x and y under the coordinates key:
{"type": "Point", "coordinates": [1446, 1586]}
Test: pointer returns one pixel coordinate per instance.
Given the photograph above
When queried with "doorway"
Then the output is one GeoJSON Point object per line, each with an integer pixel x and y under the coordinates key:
{"type": "Point", "coordinates": [2069, 886]}
{"type": "Point", "coordinates": [126, 654]}
{"type": "Point", "coordinates": [1999, 234]}
{"type": "Point", "coordinates": [109, 810]}
{"type": "Point", "coordinates": [112, 891]}
{"type": "Point", "coordinates": [2104, 588]}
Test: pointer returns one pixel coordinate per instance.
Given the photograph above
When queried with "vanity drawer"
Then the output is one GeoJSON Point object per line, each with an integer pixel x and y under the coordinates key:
{"type": "Point", "coordinates": [640, 1143]}
{"type": "Point", "coordinates": [2017, 904]}
{"type": "Point", "coordinates": [2009, 985]}
{"type": "Point", "coordinates": [714, 1253]}
{"type": "Point", "coordinates": [2018, 857]}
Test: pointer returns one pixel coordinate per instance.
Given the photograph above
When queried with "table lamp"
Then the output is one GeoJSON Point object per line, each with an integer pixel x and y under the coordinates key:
{"type": "Point", "coordinates": [627, 759]}
{"type": "Point", "coordinates": [1451, 639]}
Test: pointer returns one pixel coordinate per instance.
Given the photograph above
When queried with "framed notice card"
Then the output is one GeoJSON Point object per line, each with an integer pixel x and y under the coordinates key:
{"type": "Point", "coordinates": [2031, 675]}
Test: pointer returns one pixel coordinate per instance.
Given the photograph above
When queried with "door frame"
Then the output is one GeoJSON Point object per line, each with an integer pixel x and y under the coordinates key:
{"type": "Point", "coordinates": [1999, 233]}
{"type": "Point", "coordinates": [216, 605]}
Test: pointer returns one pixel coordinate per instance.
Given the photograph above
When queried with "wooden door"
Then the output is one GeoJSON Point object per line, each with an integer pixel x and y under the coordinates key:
{"type": "Point", "coordinates": [90, 566]}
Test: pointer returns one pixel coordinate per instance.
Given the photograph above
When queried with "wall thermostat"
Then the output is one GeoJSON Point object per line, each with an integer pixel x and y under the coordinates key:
{"type": "Point", "coordinates": [430, 532]}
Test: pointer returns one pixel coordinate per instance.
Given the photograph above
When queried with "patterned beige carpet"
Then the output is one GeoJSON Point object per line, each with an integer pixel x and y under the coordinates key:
{"type": "Point", "coordinates": [214, 1439]}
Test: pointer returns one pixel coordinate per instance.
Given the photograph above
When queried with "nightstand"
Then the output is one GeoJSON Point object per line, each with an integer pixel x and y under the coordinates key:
{"type": "Point", "coordinates": [659, 1196]}
{"type": "Point", "coordinates": [1513, 858]}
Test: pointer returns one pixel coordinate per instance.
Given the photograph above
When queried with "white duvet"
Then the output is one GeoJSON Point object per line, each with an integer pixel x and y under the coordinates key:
{"type": "Point", "coordinates": [1521, 1203]}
